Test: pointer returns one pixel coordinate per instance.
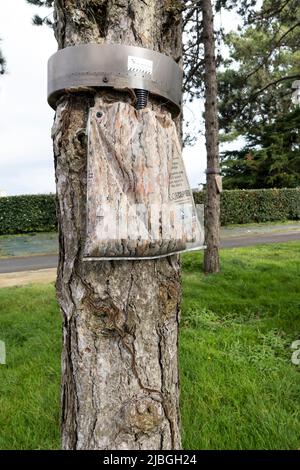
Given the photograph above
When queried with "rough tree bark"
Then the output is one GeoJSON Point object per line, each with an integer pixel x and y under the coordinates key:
{"type": "Point", "coordinates": [120, 319]}
{"type": "Point", "coordinates": [212, 206]}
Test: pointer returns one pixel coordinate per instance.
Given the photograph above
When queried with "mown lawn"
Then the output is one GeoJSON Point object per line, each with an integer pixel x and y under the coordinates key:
{"type": "Point", "coordinates": [239, 388]}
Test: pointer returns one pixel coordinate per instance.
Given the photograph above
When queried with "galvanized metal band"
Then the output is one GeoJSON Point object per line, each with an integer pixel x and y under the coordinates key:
{"type": "Point", "coordinates": [212, 171]}
{"type": "Point", "coordinates": [117, 66]}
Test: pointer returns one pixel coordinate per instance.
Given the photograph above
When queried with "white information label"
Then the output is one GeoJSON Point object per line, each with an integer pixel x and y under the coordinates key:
{"type": "Point", "coordinates": [140, 65]}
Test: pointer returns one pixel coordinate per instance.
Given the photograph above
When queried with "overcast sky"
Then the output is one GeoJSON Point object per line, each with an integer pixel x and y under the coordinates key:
{"type": "Point", "coordinates": [26, 161]}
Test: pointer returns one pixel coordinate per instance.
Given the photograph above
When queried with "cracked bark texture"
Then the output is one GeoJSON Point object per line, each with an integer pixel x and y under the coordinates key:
{"type": "Point", "coordinates": [120, 319]}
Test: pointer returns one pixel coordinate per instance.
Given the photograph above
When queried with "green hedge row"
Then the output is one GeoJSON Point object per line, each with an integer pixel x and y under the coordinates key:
{"type": "Point", "coordinates": [257, 205]}
{"type": "Point", "coordinates": [36, 213]}
{"type": "Point", "coordinates": [23, 214]}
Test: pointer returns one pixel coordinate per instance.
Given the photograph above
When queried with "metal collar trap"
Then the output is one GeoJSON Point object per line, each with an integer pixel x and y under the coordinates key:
{"type": "Point", "coordinates": [117, 66]}
{"type": "Point", "coordinates": [117, 227]}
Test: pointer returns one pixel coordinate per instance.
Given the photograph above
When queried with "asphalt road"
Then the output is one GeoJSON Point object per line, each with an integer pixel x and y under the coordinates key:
{"type": "Point", "coordinates": [29, 263]}
{"type": "Point", "coordinates": [257, 239]}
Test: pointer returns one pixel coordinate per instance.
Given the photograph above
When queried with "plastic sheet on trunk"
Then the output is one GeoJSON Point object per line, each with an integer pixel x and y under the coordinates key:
{"type": "Point", "coordinates": [139, 203]}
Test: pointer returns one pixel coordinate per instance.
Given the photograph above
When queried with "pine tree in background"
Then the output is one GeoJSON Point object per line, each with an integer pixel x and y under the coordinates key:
{"type": "Point", "coordinates": [256, 87]}
{"type": "Point", "coordinates": [212, 204]}
{"type": "Point", "coordinates": [39, 20]}
{"type": "Point", "coordinates": [255, 91]}
{"type": "Point", "coordinates": [201, 81]}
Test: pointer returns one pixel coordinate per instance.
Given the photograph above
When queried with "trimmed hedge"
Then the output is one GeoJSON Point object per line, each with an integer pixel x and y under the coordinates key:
{"type": "Point", "coordinates": [23, 214]}
{"type": "Point", "coordinates": [36, 213]}
{"type": "Point", "coordinates": [257, 205]}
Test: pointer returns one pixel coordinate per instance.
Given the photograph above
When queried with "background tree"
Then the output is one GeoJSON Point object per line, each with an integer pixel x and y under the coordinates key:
{"type": "Point", "coordinates": [255, 87]}
{"type": "Point", "coordinates": [271, 157]}
{"type": "Point", "coordinates": [212, 204]}
{"type": "Point", "coordinates": [39, 20]}
{"type": "Point", "coordinates": [120, 319]}
{"type": "Point", "coordinates": [201, 81]}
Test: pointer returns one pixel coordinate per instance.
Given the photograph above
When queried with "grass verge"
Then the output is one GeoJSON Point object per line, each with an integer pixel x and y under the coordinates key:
{"type": "Point", "coordinates": [239, 389]}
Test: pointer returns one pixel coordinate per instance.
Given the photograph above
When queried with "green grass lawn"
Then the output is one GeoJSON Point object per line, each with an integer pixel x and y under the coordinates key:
{"type": "Point", "coordinates": [239, 389]}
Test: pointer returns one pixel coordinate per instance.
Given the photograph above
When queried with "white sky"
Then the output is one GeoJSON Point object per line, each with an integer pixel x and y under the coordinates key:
{"type": "Point", "coordinates": [26, 160]}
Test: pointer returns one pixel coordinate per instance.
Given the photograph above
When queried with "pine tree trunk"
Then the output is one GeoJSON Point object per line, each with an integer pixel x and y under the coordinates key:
{"type": "Point", "coordinates": [120, 319]}
{"type": "Point", "coordinates": [212, 206]}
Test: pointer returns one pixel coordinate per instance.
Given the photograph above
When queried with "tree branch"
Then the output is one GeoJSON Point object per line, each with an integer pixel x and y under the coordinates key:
{"type": "Point", "coordinates": [272, 50]}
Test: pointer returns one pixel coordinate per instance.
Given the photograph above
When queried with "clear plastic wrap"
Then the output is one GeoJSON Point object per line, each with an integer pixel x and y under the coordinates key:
{"type": "Point", "coordinates": [139, 203]}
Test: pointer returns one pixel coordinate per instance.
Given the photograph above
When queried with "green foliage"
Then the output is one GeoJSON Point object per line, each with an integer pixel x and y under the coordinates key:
{"type": "Point", "coordinates": [31, 213]}
{"type": "Point", "coordinates": [263, 163]}
{"type": "Point", "coordinates": [262, 205]}
{"type": "Point", "coordinates": [38, 20]}
{"type": "Point", "coordinates": [255, 87]}
{"type": "Point", "coordinates": [255, 83]}
{"type": "Point", "coordinates": [37, 213]}
{"type": "Point", "coordinates": [239, 389]}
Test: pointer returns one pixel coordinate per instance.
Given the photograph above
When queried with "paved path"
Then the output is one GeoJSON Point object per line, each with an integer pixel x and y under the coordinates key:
{"type": "Point", "coordinates": [43, 262]}
{"type": "Point", "coordinates": [39, 276]}
{"type": "Point", "coordinates": [248, 240]}
{"type": "Point", "coordinates": [27, 263]}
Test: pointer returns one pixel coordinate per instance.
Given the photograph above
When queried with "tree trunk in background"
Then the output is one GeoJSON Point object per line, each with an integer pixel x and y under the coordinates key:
{"type": "Point", "coordinates": [120, 319]}
{"type": "Point", "coordinates": [212, 209]}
